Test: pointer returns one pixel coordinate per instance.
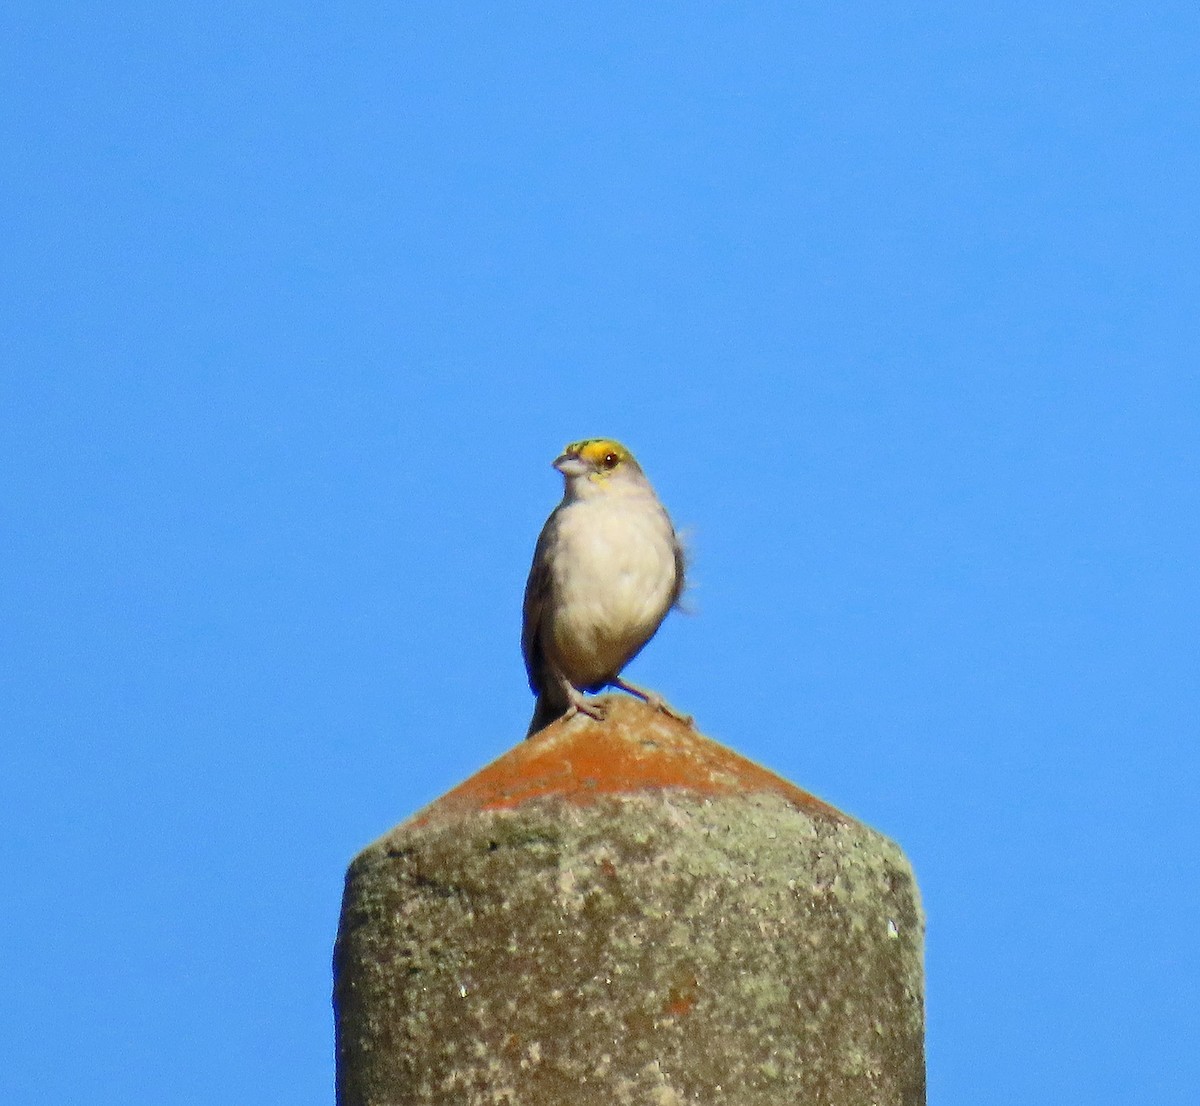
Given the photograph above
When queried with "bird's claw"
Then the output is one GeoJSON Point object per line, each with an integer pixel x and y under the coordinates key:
{"type": "Point", "coordinates": [579, 704]}
{"type": "Point", "coordinates": [657, 702]}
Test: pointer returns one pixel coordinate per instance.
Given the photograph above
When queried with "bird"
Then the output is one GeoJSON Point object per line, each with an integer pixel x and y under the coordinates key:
{"type": "Point", "coordinates": [607, 569]}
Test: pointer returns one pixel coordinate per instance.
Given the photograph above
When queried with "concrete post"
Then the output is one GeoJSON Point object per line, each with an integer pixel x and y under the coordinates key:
{"type": "Point", "coordinates": [622, 914]}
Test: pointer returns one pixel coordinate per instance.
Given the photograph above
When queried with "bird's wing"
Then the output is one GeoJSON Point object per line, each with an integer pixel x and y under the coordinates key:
{"type": "Point", "coordinates": [680, 570]}
{"type": "Point", "coordinates": [537, 595]}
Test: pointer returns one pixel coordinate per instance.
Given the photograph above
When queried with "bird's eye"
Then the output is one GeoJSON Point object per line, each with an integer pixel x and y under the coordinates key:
{"type": "Point", "coordinates": [610, 460]}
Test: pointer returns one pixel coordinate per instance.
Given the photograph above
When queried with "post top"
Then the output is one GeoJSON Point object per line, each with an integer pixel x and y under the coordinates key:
{"type": "Point", "coordinates": [636, 749]}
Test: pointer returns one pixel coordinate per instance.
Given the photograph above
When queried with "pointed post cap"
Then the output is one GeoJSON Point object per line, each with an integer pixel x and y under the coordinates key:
{"type": "Point", "coordinates": [635, 750]}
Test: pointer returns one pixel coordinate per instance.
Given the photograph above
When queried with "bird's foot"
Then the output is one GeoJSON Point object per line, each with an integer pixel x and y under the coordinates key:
{"type": "Point", "coordinates": [578, 703]}
{"type": "Point", "coordinates": [653, 699]}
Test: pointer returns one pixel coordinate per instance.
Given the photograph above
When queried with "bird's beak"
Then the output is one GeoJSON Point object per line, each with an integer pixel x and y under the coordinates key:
{"type": "Point", "coordinates": [571, 464]}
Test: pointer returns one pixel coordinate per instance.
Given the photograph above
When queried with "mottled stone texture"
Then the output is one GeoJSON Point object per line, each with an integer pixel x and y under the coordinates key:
{"type": "Point", "coordinates": [662, 923]}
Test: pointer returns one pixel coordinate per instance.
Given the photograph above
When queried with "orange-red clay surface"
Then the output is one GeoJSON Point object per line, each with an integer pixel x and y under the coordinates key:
{"type": "Point", "coordinates": [636, 749]}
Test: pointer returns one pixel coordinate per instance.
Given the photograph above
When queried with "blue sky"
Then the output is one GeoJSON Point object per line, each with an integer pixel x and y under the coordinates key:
{"type": "Point", "coordinates": [897, 307]}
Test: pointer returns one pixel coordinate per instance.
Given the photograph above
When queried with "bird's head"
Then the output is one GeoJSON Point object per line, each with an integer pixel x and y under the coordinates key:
{"type": "Point", "coordinates": [599, 465]}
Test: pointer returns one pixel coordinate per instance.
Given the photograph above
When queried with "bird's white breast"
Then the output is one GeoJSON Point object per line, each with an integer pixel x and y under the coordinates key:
{"type": "Point", "coordinates": [613, 574]}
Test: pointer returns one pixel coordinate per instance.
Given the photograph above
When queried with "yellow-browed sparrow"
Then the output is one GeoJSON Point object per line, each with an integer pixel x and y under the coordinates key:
{"type": "Point", "coordinates": [607, 569]}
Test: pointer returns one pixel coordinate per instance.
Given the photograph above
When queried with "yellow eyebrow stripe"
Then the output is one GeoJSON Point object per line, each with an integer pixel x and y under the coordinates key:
{"type": "Point", "coordinates": [596, 449]}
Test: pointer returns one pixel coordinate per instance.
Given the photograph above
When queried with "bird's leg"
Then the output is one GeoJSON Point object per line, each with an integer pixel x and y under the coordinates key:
{"type": "Point", "coordinates": [578, 703]}
{"type": "Point", "coordinates": [653, 699]}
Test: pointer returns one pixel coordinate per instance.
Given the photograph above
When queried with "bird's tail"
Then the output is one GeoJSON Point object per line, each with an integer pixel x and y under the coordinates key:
{"type": "Point", "coordinates": [545, 711]}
